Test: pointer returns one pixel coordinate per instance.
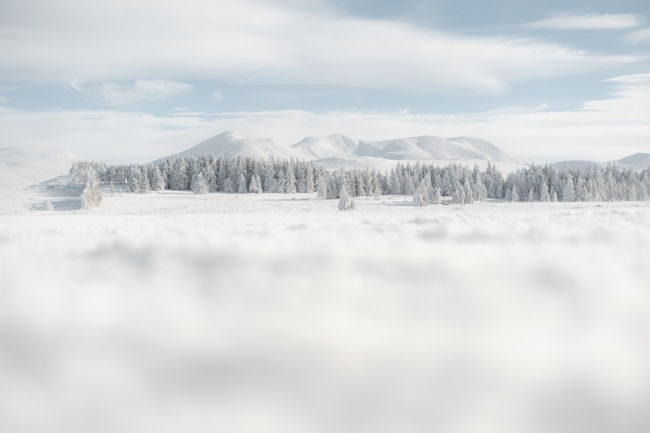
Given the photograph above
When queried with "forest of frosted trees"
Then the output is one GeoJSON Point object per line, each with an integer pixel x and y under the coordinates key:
{"type": "Point", "coordinates": [425, 182]}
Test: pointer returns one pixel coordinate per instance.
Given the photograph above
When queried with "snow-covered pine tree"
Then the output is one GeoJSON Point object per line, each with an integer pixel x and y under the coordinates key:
{"type": "Point", "coordinates": [514, 196]}
{"type": "Point", "coordinates": [199, 185]}
{"type": "Point", "coordinates": [91, 195]}
{"type": "Point", "coordinates": [321, 188]}
{"type": "Point", "coordinates": [309, 179]}
{"type": "Point", "coordinates": [437, 197]}
{"type": "Point", "coordinates": [543, 194]}
{"type": "Point", "coordinates": [459, 193]}
{"type": "Point", "coordinates": [133, 182]}
{"type": "Point", "coordinates": [421, 195]}
{"type": "Point", "coordinates": [48, 206]}
{"type": "Point", "coordinates": [345, 200]}
{"type": "Point", "coordinates": [156, 178]}
{"type": "Point", "coordinates": [255, 186]}
{"type": "Point", "coordinates": [469, 194]}
{"type": "Point", "coordinates": [568, 192]}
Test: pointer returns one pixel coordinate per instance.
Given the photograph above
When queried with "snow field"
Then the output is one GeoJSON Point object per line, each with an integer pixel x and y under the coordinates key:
{"type": "Point", "coordinates": [278, 313]}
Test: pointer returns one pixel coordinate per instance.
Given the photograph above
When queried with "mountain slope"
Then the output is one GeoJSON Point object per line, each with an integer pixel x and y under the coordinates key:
{"type": "Point", "coordinates": [638, 160]}
{"type": "Point", "coordinates": [236, 144]}
{"type": "Point", "coordinates": [434, 148]}
{"type": "Point", "coordinates": [332, 146]}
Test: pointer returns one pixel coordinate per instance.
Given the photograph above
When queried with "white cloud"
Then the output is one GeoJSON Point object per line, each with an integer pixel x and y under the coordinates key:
{"type": "Point", "coordinates": [637, 36]}
{"type": "Point", "coordinates": [139, 91]}
{"type": "Point", "coordinates": [254, 41]}
{"type": "Point", "coordinates": [601, 130]}
{"type": "Point", "coordinates": [217, 96]}
{"type": "Point", "coordinates": [588, 22]}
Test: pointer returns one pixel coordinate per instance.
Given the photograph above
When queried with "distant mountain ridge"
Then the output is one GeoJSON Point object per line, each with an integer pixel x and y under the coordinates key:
{"type": "Point", "coordinates": [339, 150]}
{"type": "Point", "coordinates": [635, 161]}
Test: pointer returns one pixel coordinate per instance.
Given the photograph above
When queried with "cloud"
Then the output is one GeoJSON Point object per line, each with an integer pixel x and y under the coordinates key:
{"type": "Point", "coordinates": [637, 36]}
{"type": "Point", "coordinates": [588, 22]}
{"type": "Point", "coordinates": [139, 91]}
{"type": "Point", "coordinates": [265, 43]}
{"type": "Point", "coordinates": [602, 130]}
{"type": "Point", "coordinates": [217, 96]}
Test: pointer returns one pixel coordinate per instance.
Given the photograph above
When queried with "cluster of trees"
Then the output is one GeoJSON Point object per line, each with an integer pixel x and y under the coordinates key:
{"type": "Point", "coordinates": [86, 174]}
{"type": "Point", "coordinates": [426, 183]}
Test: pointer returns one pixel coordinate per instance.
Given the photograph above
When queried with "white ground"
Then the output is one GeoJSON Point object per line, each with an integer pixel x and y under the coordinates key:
{"type": "Point", "coordinates": [175, 312]}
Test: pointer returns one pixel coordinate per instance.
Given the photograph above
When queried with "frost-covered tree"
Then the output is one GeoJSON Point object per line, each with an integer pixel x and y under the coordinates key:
{"type": "Point", "coordinates": [156, 178]}
{"type": "Point", "coordinates": [514, 195]}
{"type": "Point", "coordinates": [199, 185]}
{"type": "Point", "coordinates": [321, 188]}
{"type": "Point", "coordinates": [256, 185]}
{"type": "Point", "coordinates": [345, 201]}
{"type": "Point", "coordinates": [568, 192]}
{"type": "Point", "coordinates": [48, 206]}
{"type": "Point", "coordinates": [91, 196]}
{"type": "Point", "coordinates": [459, 193]}
{"type": "Point", "coordinates": [421, 195]}
{"type": "Point", "coordinates": [543, 193]}
{"type": "Point", "coordinates": [437, 198]}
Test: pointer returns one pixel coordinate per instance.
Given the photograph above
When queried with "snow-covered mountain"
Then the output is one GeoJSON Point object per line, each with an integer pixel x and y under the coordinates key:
{"type": "Point", "coordinates": [435, 148]}
{"type": "Point", "coordinates": [635, 161]}
{"type": "Point", "coordinates": [638, 160]}
{"type": "Point", "coordinates": [333, 146]}
{"type": "Point", "coordinates": [338, 150]}
{"type": "Point", "coordinates": [577, 164]}
{"type": "Point", "coordinates": [237, 144]}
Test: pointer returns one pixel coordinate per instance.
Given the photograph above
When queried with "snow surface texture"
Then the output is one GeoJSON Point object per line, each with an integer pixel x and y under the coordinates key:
{"type": "Point", "coordinates": [171, 311]}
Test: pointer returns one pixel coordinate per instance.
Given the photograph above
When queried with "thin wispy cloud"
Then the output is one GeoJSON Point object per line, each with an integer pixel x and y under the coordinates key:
{"type": "Point", "coordinates": [637, 36]}
{"type": "Point", "coordinates": [226, 41]}
{"type": "Point", "coordinates": [217, 96]}
{"type": "Point", "coordinates": [588, 22]}
{"type": "Point", "coordinates": [136, 92]}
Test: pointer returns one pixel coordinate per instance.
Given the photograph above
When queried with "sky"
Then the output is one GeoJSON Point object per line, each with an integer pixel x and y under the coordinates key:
{"type": "Point", "coordinates": [134, 81]}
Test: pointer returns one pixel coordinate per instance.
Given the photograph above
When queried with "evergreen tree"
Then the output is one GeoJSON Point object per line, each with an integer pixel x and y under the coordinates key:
{"type": "Point", "coordinates": [199, 186]}
{"type": "Point", "coordinates": [255, 186]}
{"type": "Point", "coordinates": [345, 200]}
{"type": "Point", "coordinates": [321, 188]}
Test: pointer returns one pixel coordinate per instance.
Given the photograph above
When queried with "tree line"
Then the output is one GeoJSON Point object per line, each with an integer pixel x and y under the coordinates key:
{"type": "Point", "coordinates": [425, 182]}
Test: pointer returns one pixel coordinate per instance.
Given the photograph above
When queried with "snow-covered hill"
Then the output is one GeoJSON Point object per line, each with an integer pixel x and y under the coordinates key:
{"type": "Point", "coordinates": [435, 148]}
{"type": "Point", "coordinates": [341, 151]}
{"type": "Point", "coordinates": [24, 166]}
{"type": "Point", "coordinates": [577, 164]}
{"type": "Point", "coordinates": [236, 144]}
{"type": "Point", "coordinates": [638, 160]}
{"type": "Point", "coordinates": [335, 146]}
{"type": "Point", "coordinates": [635, 161]}
{"type": "Point", "coordinates": [21, 167]}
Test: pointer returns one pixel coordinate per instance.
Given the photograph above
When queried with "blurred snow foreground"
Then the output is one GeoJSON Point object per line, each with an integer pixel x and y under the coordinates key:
{"type": "Point", "coordinates": [178, 312]}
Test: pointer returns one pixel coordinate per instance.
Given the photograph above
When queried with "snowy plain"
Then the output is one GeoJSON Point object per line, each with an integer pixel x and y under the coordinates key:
{"type": "Point", "coordinates": [176, 312]}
